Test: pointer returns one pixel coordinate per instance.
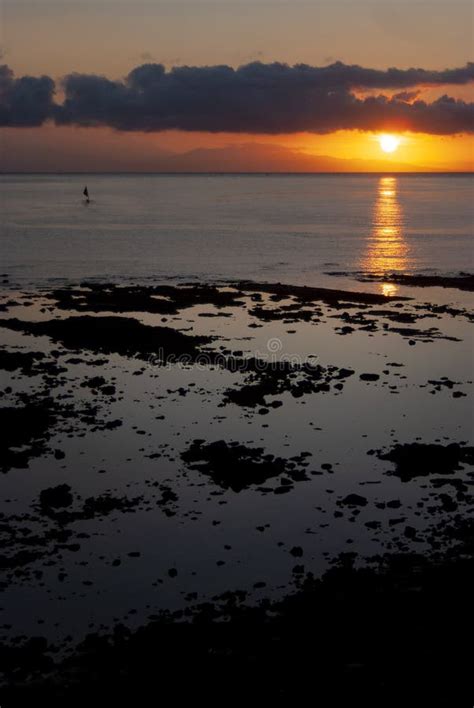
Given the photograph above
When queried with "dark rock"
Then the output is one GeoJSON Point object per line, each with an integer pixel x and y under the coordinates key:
{"type": "Point", "coordinates": [56, 497]}
{"type": "Point", "coordinates": [353, 500]}
{"type": "Point", "coordinates": [420, 459]}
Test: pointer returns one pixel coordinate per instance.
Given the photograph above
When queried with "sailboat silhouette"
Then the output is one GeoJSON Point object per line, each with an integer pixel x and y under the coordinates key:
{"type": "Point", "coordinates": [86, 194]}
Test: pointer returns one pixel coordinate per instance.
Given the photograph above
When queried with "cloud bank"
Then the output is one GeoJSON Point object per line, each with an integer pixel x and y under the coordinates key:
{"type": "Point", "coordinates": [255, 98]}
{"type": "Point", "coordinates": [25, 102]}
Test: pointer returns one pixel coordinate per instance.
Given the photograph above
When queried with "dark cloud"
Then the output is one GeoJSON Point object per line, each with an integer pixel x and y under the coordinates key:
{"type": "Point", "coordinates": [24, 102]}
{"type": "Point", "coordinates": [256, 98]}
{"type": "Point", "coordinates": [354, 76]}
{"type": "Point", "coordinates": [406, 95]}
{"type": "Point", "coordinates": [445, 116]}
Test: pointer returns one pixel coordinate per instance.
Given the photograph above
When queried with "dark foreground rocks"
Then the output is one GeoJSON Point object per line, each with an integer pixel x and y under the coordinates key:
{"type": "Point", "coordinates": [462, 281]}
{"type": "Point", "coordinates": [304, 293]}
{"type": "Point", "coordinates": [159, 299]}
{"type": "Point", "coordinates": [398, 634]}
{"type": "Point", "coordinates": [265, 379]}
{"type": "Point", "coordinates": [420, 459]}
{"type": "Point", "coordinates": [24, 433]}
{"type": "Point", "coordinates": [26, 430]}
{"type": "Point", "coordinates": [171, 299]}
{"type": "Point", "coordinates": [237, 467]}
{"type": "Point", "coordinates": [113, 335]}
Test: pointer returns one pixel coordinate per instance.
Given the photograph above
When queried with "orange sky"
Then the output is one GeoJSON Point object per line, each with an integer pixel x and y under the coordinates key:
{"type": "Point", "coordinates": [430, 151]}
{"type": "Point", "coordinates": [110, 37]}
{"type": "Point", "coordinates": [102, 149]}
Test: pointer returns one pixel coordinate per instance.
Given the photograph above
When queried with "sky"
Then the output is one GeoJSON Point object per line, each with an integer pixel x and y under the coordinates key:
{"type": "Point", "coordinates": [116, 93]}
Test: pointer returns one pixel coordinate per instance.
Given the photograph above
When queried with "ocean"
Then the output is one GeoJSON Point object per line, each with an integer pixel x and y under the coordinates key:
{"type": "Point", "coordinates": [288, 228]}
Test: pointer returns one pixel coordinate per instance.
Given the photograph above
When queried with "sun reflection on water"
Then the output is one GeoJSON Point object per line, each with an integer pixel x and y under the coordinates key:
{"type": "Point", "coordinates": [387, 251]}
{"type": "Point", "coordinates": [389, 289]}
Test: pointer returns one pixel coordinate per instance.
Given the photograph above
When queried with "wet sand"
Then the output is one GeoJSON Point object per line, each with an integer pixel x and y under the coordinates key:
{"type": "Point", "coordinates": [258, 486]}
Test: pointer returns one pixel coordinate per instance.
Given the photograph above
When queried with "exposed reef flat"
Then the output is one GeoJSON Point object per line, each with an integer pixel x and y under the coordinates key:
{"type": "Point", "coordinates": [159, 299]}
{"type": "Point", "coordinates": [118, 335]}
{"type": "Point", "coordinates": [237, 467]}
{"type": "Point", "coordinates": [170, 299]}
{"type": "Point", "coordinates": [329, 630]}
{"type": "Point", "coordinates": [463, 281]}
{"type": "Point", "coordinates": [417, 459]}
{"type": "Point", "coordinates": [303, 293]}
{"type": "Point", "coordinates": [265, 488]}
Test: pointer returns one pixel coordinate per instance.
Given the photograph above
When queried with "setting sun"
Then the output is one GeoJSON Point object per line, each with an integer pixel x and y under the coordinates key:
{"type": "Point", "coordinates": [389, 143]}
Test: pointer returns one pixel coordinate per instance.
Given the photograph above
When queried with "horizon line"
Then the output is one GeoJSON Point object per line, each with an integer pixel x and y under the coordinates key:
{"type": "Point", "coordinates": [237, 172]}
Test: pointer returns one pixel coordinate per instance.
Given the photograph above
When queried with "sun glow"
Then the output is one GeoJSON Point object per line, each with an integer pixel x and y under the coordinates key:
{"type": "Point", "coordinates": [389, 143]}
{"type": "Point", "coordinates": [387, 250]}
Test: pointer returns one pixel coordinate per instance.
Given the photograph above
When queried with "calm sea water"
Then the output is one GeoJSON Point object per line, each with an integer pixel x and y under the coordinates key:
{"type": "Point", "coordinates": [277, 227]}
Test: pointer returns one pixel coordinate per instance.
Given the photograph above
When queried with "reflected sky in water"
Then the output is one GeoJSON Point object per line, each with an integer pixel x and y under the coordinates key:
{"type": "Point", "coordinates": [387, 248]}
